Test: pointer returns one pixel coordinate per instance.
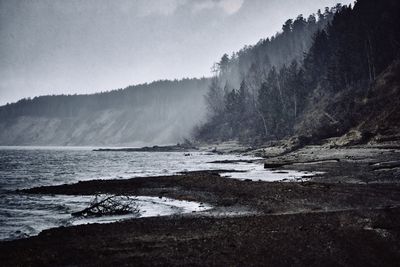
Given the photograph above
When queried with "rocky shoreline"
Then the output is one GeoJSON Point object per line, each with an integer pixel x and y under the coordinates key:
{"type": "Point", "coordinates": [170, 148]}
{"type": "Point", "coordinates": [348, 215]}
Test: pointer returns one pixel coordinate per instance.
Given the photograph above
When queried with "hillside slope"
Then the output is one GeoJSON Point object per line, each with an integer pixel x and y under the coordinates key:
{"type": "Point", "coordinates": [158, 113]}
{"type": "Point", "coordinates": [347, 80]}
{"type": "Point", "coordinates": [362, 115]}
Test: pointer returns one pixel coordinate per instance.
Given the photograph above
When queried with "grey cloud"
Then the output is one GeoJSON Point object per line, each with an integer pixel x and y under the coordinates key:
{"type": "Point", "coordinates": [86, 46]}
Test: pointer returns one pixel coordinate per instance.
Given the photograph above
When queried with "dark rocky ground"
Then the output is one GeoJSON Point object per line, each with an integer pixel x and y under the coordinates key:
{"type": "Point", "coordinates": [359, 238]}
{"type": "Point", "coordinates": [348, 216]}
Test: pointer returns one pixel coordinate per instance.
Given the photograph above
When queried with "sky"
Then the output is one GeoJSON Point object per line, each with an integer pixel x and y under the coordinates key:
{"type": "Point", "coordinates": [86, 46]}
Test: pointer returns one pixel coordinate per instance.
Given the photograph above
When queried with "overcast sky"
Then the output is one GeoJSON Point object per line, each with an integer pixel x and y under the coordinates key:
{"type": "Point", "coordinates": [86, 46]}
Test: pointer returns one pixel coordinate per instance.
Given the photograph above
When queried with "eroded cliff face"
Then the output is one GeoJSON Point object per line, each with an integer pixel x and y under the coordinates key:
{"type": "Point", "coordinates": [369, 113]}
{"type": "Point", "coordinates": [148, 120]}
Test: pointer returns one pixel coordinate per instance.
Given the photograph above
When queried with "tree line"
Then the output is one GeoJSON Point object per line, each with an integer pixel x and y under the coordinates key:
{"type": "Point", "coordinates": [157, 93]}
{"type": "Point", "coordinates": [348, 47]}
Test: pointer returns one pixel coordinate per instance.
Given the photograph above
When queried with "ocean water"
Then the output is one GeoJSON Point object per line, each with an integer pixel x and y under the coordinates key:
{"type": "Point", "coordinates": [24, 215]}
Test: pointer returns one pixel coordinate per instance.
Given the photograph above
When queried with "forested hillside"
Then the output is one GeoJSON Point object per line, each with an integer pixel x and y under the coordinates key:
{"type": "Point", "coordinates": [254, 61]}
{"type": "Point", "coordinates": [157, 113]}
{"type": "Point", "coordinates": [320, 93]}
{"type": "Point", "coordinates": [162, 112]}
{"type": "Point", "coordinates": [319, 77]}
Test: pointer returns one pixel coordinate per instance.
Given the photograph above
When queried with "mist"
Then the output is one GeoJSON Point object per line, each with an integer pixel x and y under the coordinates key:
{"type": "Point", "coordinates": [163, 113]}
{"type": "Point", "coordinates": [67, 47]}
{"type": "Point", "coordinates": [65, 51]}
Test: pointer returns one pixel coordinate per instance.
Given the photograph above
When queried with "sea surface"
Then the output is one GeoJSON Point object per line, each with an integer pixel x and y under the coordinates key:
{"type": "Point", "coordinates": [23, 215]}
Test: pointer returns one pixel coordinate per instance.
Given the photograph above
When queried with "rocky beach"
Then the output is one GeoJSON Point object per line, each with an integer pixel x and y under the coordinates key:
{"type": "Point", "coordinates": [348, 214]}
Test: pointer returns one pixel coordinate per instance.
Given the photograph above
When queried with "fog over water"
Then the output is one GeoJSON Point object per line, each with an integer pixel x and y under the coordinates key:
{"type": "Point", "coordinates": [67, 47]}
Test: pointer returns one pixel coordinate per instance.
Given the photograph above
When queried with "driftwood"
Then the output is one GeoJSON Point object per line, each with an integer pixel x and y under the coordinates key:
{"type": "Point", "coordinates": [106, 205]}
